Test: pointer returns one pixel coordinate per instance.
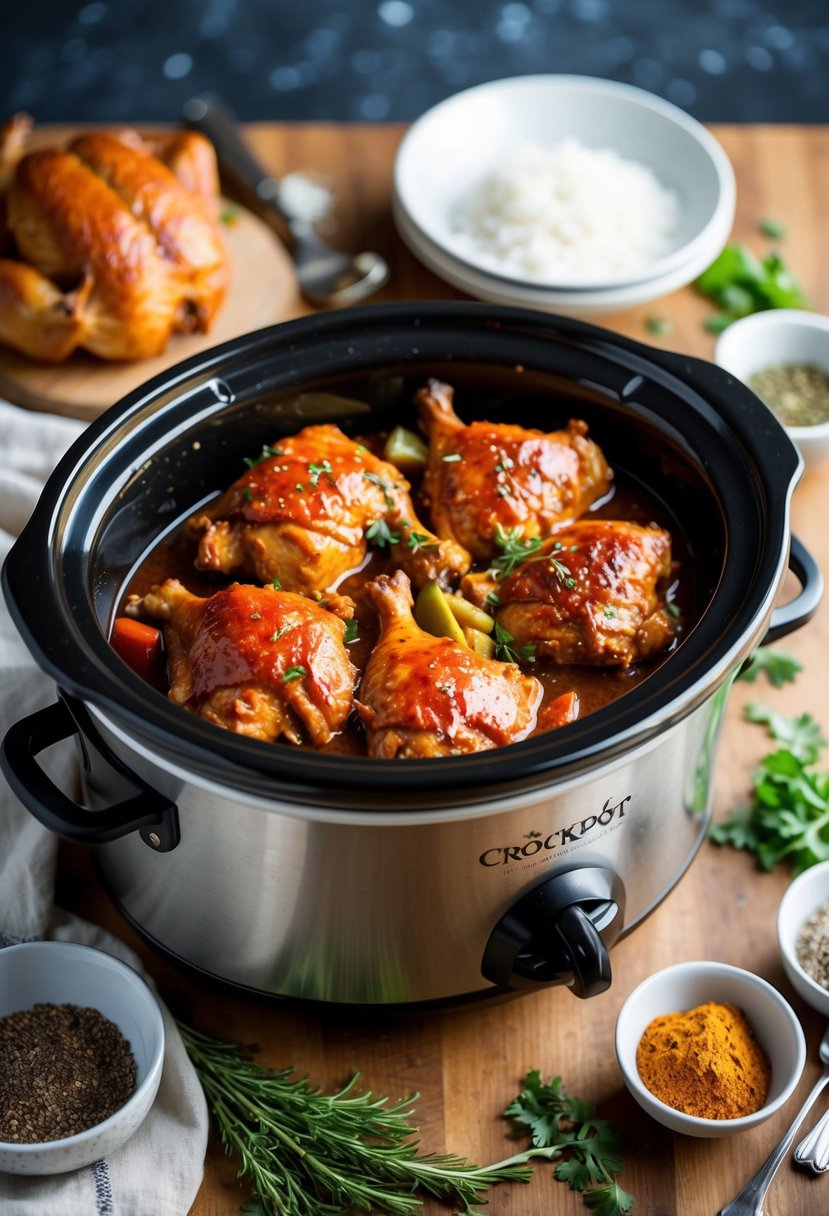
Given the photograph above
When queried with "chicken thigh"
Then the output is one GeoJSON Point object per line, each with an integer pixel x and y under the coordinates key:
{"type": "Point", "coordinates": [593, 593]}
{"type": "Point", "coordinates": [254, 660]}
{"type": "Point", "coordinates": [424, 696]}
{"type": "Point", "coordinates": [306, 511]}
{"type": "Point", "coordinates": [487, 477]}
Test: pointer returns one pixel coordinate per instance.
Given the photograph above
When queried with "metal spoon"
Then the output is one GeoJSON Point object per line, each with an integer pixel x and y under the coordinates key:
{"type": "Point", "coordinates": [749, 1202]}
{"type": "Point", "coordinates": [327, 277]}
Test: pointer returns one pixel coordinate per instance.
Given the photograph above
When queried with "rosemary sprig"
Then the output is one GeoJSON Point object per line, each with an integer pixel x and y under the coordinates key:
{"type": "Point", "coordinates": [307, 1153]}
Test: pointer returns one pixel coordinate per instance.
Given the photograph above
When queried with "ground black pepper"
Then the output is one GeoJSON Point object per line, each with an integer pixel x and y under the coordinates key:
{"type": "Point", "coordinates": [63, 1069]}
{"type": "Point", "coordinates": [812, 946]}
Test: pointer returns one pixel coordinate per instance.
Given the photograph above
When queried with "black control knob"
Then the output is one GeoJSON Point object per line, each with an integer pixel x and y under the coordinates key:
{"type": "Point", "coordinates": [559, 932]}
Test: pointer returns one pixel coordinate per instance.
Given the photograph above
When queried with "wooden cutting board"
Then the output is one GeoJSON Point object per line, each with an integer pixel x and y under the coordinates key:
{"type": "Point", "coordinates": [263, 290]}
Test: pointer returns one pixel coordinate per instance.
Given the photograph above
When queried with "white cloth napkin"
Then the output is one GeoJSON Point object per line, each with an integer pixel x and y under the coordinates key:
{"type": "Point", "coordinates": [158, 1171]}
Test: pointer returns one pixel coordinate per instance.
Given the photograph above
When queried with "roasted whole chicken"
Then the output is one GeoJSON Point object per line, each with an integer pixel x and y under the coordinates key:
{"type": "Point", "coordinates": [306, 511]}
{"type": "Point", "coordinates": [425, 696]}
{"type": "Point", "coordinates": [110, 245]}
{"type": "Point", "coordinates": [264, 663]}
{"type": "Point", "coordinates": [589, 594]}
{"type": "Point", "coordinates": [487, 478]}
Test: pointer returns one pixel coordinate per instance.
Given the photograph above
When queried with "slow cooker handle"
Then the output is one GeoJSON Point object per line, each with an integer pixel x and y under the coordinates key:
{"type": "Point", "coordinates": [802, 608]}
{"type": "Point", "coordinates": [146, 811]}
{"type": "Point", "coordinates": [560, 931]}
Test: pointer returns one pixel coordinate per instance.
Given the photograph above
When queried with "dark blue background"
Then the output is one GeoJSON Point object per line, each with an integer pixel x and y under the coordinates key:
{"type": "Point", "coordinates": [134, 60]}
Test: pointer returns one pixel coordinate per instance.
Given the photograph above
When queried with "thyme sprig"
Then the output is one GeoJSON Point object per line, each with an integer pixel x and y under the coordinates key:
{"type": "Point", "coordinates": [514, 550]}
{"type": "Point", "coordinates": [308, 1153]}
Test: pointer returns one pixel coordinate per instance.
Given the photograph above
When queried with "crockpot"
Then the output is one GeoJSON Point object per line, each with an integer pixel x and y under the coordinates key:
{"type": "Point", "coordinates": [341, 879]}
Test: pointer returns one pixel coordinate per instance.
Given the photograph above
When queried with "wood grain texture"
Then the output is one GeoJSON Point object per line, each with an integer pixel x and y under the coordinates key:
{"type": "Point", "coordinates": [467, 1066]}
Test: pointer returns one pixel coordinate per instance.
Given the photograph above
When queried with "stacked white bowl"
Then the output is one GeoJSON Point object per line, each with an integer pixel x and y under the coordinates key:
{"type": "Point", "coordinates": [458, 142]}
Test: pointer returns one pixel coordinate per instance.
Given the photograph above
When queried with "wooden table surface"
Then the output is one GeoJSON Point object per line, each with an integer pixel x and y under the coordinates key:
{"type": "Point", "coordinates": [467, 1066]}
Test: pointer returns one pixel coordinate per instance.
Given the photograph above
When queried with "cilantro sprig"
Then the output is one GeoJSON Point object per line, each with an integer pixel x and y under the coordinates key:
{"type": "Point", "coordinates": [787, 819]}
{"type": "Point", "coordinates": [588, 1150]}
{"type": "Point", "coordinates": [778, 668]}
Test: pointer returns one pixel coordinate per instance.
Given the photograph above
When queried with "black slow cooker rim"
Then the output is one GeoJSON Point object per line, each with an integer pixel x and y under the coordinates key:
{"type": "Point", "coordinates": [82, 662]}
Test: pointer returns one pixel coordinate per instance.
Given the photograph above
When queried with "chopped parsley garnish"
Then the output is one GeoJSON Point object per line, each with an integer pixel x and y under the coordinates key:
{"type": "Point", "coordinates": [276, 583]}
{"type": "Point", "coordinates": [316, 471]}
{"type": "Point", "coordinates": [247, 494]}
{"type": "Point", "coordinates": [299, 487]}
{"type": "Point", "coordinates": [352, 630]}
{"type": "Point", "coordinates": [294, 673]}
{"type": "Point", "coordinates": [419, 540]}
{"type": "Point", "coordinates": [493, 599]}
{"type": "Point", "coordinates": [514, 550]}
{"type": "Point", "coordinates": [376, 480]}
{"type": "Point", "coordinates": [609, 610]}
{"type": "Point", "coordinates": [229, 215]}
{"type": "Point", "coordinates": [504, 464]}
{"type": "Point", "coordinates": [380, 534]}
{"type": "Point", "coordinates": [506, 652]}
{"type": "Point", "coordinates": [266, 454]}
{"type": "Point", "coordinates": [256, 616]}
{"type": "Point", "coordinates": [451, 458]}
{"type": "Point", "coordinates": [659, 326]}
{"type": "Point", "coordinates": [503, 491]}
{"type": "Point", "coordinates": [672, 610]}
{"type": "Point", "coordinates": [773, 229]}
{"type": "Point", "coordinates": [280, 632]}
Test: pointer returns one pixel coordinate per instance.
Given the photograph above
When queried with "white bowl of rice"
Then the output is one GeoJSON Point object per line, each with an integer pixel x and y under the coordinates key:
{"type": "Point", "coordinates": [566, 192]}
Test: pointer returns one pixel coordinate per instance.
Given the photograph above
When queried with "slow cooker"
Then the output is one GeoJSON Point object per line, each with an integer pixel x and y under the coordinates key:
{"type": "Point", "coordinates": [339, 879]}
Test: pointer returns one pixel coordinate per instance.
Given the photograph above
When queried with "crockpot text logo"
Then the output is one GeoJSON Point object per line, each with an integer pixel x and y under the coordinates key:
{"type": "Point", "coordinates": [537, 842]}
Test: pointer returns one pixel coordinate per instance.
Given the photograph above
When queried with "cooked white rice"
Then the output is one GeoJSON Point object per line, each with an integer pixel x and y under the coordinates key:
{"type": "Point", "coordinates": [567, 213]}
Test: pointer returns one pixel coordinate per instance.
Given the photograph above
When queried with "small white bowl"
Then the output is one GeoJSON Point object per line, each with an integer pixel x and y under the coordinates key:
{"type": "Point", "coordinates": [61, 973]}
{"type": "Point", "coordinates": [686, 985]}
{"type": "Point", "coordinates": [780, 335]}
{"type": "Point", "coordinates": [457, 142]}
{"type": "Point", "coordinates": [803, 897]}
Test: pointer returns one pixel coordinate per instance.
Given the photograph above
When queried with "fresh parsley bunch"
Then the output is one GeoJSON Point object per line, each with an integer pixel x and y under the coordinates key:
{"type": "Point", "coordinates": [788, 818]}
{"type": "Point", "coordinates": [589, 1150]}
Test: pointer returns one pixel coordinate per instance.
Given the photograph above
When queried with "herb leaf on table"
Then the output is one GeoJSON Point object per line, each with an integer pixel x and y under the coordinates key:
{"type": "Point", "coordinates": [778, 668]}
{"type": "Point", "coordinates": [788, 818]}
{"type": "Point", "coordinates": [590, 1148]}
{"type": "Point", "coordinates": [740, 283]}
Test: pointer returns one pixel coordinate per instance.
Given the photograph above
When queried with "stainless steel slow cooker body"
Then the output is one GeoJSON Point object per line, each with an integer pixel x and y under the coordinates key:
{"type": "Point", "coordinates": [339, 879]}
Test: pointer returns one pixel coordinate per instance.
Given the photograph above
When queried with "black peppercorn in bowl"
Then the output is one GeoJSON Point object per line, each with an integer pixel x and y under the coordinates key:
{"type": "Point", "coordinates": [82, 1043]}
{"type": "Point", "coordinates": [320, 877]}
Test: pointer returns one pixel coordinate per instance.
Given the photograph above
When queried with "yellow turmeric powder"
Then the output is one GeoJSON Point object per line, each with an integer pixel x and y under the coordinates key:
{"type": "Point", "coordinates": [705, 1062]}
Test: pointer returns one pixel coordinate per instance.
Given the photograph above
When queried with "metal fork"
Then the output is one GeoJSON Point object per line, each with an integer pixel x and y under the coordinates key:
{"type": "Point", "coordinates": [813, 1150]}
{"type": "Point", "coordinates": [749, 1202]}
